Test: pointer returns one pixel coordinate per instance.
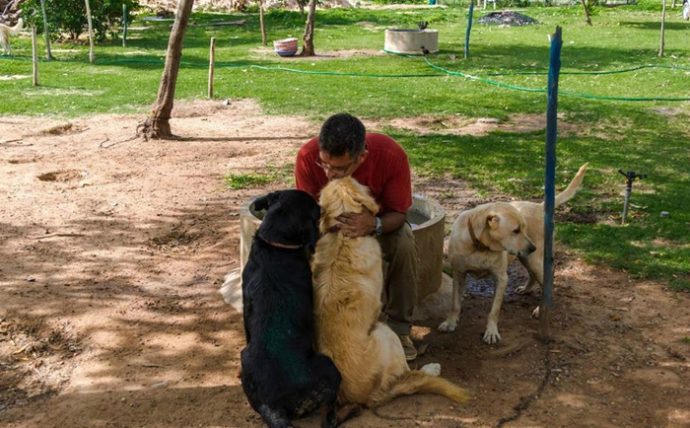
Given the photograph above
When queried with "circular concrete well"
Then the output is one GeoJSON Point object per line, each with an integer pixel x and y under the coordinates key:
{"type": "Point", "coordinates": [411, 41]}
{"type": "Point", "coordinates": [427, 218]}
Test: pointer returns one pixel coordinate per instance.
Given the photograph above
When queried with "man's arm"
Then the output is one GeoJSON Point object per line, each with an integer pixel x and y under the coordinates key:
{"type": "Point", "coordinates": [304, 177]}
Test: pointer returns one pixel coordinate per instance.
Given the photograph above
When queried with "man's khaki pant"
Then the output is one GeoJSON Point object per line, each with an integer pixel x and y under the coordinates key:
{"type": "Point", "coordinates": [399, 278]}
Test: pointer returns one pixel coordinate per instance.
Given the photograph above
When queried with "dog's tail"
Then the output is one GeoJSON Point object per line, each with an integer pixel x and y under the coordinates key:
{"type": "Point", "coordinates": [573, 187]}
{"type": "Point", "coordinates": [418, 381]}
{"type": "Point", "coordinates": [19, 26]}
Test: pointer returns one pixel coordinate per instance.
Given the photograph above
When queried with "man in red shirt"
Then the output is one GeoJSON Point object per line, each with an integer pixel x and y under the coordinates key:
{"type": "Point", "coordinates": [343, 148]}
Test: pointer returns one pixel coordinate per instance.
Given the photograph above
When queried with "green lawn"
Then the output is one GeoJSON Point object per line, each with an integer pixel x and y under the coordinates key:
{"type": "Point", "coordinates": [611, 73]}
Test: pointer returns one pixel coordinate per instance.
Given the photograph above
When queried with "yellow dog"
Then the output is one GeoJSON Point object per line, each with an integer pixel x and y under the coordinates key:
{"type": "Point", "coordinates": [348, 280]}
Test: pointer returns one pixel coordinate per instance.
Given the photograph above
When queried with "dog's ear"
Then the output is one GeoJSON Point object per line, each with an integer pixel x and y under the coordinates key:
{"type": "Point", "coordinates": [493, 221]}
{"type": "Point", "coordinates": [361, 195]}
{"type": "Point", "coordinates": [264, 202]}
{"type": "Point", "coordinates": [367, 201]}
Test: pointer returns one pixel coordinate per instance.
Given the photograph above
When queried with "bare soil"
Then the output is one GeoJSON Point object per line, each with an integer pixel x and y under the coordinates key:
{"type": "Point", "coordinates": [113, 250]}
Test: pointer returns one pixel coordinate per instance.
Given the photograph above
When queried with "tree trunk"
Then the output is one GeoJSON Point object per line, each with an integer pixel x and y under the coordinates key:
{"type": "Point", "coordinates": [261, 23]}
{"type": "Point", "coordinates": [663, 20]}
{"type": "Point", "coordinates": [308, 44]}
{"type": "Point", "coordinates": [49, 54]}
{"type": "Point", "coordinates": [90, 22]}
{"type": "Point", "coordinates": [586, 7]}
{"type": "Point", "coordinates": [157, 125]}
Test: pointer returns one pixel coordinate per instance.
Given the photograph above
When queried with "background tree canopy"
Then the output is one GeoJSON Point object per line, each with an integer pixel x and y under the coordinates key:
{"type": "Point", "coordinates": [67, 18]}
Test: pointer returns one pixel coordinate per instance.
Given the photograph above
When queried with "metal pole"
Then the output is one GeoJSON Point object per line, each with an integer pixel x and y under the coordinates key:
{"type": "Point", "coordinates": [630, 176]}
{"type": "Point", "coordinates": [628, 191]}
{"type": "Point", "coordinates": [549, 181]}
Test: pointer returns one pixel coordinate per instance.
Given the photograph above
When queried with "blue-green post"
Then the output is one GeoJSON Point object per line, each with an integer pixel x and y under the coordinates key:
{"type": "Point", "coordinates": [469, 28]}
{"type": "Point", "coordinates": [549, 180]}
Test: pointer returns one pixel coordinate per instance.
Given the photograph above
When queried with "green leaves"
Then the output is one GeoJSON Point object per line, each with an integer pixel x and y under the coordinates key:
{"type": "Point", "coordinates": [69, 16]}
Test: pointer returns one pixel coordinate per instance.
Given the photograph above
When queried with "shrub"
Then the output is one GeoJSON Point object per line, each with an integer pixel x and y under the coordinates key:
{"type": "Point", "coordinates": [68, 17]}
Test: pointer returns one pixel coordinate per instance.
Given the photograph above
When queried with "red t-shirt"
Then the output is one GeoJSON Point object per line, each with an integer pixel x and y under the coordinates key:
{"type": "Point", "coordinates": [385, 171]}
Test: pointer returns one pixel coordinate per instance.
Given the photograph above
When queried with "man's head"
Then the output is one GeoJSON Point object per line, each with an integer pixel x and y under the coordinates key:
{"type": "Point", "coordinates": [342, 147]}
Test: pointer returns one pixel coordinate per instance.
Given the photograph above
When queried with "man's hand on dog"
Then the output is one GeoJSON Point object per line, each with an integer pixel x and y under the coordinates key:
{"type": "Point", "coordinates": [355, 225]}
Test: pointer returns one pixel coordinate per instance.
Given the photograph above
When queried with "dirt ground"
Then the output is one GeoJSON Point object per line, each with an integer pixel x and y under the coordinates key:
{"type": "Point", "coordinates": [113, 250]}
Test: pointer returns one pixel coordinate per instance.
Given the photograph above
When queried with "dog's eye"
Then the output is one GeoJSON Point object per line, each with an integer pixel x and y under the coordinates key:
{"type": "Point", "coordinates": [516, 231]}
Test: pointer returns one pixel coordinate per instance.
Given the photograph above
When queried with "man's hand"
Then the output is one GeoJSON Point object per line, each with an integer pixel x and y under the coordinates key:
{"type": "Point", "coordinates": [355, 225]}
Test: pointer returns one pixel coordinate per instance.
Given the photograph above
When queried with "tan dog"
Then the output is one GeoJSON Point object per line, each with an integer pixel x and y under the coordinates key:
{"type": "Point", "coordinates": [487, 238]}
{"type": "Point", "coordinates": [6, 31]}
{"type": "Point", "coordinates": [348, 281]}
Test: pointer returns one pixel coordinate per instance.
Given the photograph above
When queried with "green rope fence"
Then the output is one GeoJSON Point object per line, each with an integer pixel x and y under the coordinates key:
{"type": "Point", "coordinates": [563, 92]}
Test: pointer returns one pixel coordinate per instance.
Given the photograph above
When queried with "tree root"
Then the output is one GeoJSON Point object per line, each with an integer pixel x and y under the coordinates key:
{"type": "Point", "coordinates": [146, 130]}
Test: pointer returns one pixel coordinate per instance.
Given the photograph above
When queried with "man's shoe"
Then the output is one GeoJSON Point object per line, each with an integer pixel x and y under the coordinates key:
{"type": "Point", "coordinates": [408, 347]}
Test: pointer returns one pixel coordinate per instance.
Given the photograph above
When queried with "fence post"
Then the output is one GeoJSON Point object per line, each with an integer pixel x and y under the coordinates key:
{"type": "Point", "coordinates": [261, 23]}
{"type": "Point", "coordinates": [663, 23]}
{"type": "Point", "coordinates": [34, 57]}
{"type": "Point", "coordinates": [549, 181]}
{"type": "Point", "coordinates": [211, 66]}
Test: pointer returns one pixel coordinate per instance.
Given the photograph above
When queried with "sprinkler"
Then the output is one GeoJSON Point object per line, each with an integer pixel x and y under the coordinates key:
{"type": "Point", "coordinates": [630, 177]}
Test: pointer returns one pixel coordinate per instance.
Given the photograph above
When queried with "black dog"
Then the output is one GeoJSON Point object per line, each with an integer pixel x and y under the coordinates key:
{"type": "Point", "coordinates": [282, 375]}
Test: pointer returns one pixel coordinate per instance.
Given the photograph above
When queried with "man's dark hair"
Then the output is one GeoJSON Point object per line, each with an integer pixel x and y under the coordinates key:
{"type": "Point", "coordinates": [342, 133]}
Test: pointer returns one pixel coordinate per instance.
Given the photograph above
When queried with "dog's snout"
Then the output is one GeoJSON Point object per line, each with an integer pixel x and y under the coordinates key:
{"type": "Point", "coordinates": [529, 249]}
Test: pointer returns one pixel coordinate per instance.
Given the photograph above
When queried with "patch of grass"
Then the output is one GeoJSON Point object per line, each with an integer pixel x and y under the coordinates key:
{"type": "Point", "coordinates": [126, 79]}
{"type": "Point", "coordinates": [272, 174]}
{"type": "Point", "coordinates": [243, 181]}
{"type": "Point", "coordinates": [649, 246]}
{"type": "Point", "coordinates": [679, 284]}
{"type": "Point", "coordinates": [648, 137]}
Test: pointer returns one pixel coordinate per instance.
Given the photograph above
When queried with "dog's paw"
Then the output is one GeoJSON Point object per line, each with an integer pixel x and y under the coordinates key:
{"type": "Point", "coordinates": [433, 369]}
{"type": "Point", "coordinates": [535, 313]}
{"type": "Point", "coordinates": [448, 325]}
{"type": "Point", "coordinates": [491, 334]}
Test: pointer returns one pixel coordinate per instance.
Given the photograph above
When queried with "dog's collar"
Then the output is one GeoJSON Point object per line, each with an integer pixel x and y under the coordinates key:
{"type": "Point", "coordinates": [479, 245]}
{"type": "Point", "coordinates": [279, 245]}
